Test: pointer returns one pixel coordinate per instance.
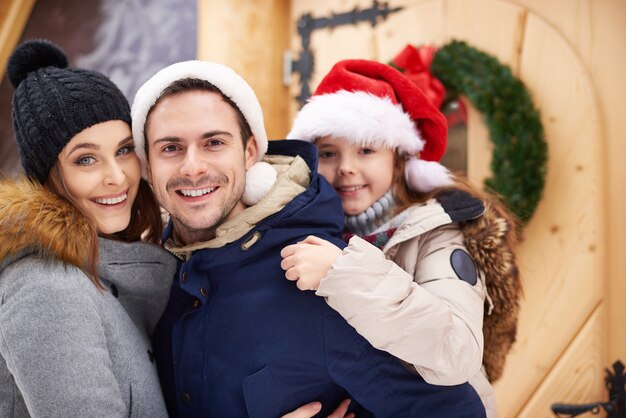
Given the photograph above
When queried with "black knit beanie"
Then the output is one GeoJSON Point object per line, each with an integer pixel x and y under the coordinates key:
{"type": "Point", "coordinates": [53, 103]}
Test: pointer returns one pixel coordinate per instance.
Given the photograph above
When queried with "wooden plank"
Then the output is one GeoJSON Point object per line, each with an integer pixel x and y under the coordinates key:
{"type": "Point", "coordinates": [574, 378]}
{"type": "Point", "coordinates": [575, 19]}
{"type": "Point", "coordinates": [16, 15]}
{"type": "Point", "coordinates": [563, 259]}
{"type": "Point", "coordinates": [476, 22]}
{"type": "Point", "coordinates": [496, 27]}
{"type": "Point", "coordinates": [250, 37]}
{"type": "Point", "coordinates": [479, 147]}
{"type": "Point", "coordinates": [607, 61]}
{"type": "Point", "coordinates": [419, 23]}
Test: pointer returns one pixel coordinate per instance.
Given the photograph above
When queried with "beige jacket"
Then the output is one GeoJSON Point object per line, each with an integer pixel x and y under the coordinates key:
{"type": "Point", "coordinates": [409, 301]}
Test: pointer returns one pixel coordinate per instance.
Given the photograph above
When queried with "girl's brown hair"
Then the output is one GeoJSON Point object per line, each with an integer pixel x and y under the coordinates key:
{"type": "Point", "coordinates": [145, 220]}
{"type": "Point", "coordinates": [406, 197]}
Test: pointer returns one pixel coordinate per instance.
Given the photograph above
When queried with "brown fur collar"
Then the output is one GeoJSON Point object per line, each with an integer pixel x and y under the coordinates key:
{"type": "Point", "coordinates": [491, 239]}
{"type": "Point", "coordinates": [32, 218]}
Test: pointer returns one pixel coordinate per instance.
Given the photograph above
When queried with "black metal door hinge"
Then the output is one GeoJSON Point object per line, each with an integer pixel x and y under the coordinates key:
{"type": "Point", "coordinates": [305, 63]}
{"type": "Point", "coordinates": [614, 408]}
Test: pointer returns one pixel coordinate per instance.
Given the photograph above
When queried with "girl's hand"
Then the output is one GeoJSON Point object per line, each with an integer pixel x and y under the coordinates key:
{"type": "Point", "coordinates": [309, 410]}
{"type": "Point", "coordinates": [308, 261]}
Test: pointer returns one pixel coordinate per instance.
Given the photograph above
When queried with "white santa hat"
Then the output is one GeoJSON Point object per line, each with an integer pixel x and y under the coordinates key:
{"type": "Point", "coordinates": [261, 176]}
{"type": "Point", "coordinates": [370, 103]}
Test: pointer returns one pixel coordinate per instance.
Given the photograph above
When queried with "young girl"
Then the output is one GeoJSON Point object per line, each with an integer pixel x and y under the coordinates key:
{"type": "Point", "coordinates": [424, 247]}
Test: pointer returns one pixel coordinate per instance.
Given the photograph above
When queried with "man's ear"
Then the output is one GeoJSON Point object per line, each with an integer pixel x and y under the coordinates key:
{"type": "Point", "coordinates": [251, 152]}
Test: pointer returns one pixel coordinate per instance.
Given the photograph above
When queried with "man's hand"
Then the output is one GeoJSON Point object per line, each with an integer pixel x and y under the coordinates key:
{"type": "Point", "coordinates": [309, 410]}
{"type": "Point", "coordinates": [308, 261]}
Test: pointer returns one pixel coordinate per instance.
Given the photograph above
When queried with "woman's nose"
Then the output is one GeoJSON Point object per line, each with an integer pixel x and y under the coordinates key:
{"type": "Point", "coordinates": [115, 174]}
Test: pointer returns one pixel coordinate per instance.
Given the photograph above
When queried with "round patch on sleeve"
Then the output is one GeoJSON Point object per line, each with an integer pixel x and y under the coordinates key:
{"type": "Point", "coordinates": [464, 266]}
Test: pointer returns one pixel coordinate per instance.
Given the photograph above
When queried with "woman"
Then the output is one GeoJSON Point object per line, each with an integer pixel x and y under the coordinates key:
{"type": "Point", "coordinates": [80, 293]}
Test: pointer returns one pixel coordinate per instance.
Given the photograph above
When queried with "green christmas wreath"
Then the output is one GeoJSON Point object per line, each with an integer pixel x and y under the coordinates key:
{"type": "Point", "coordinates": [519, 157]}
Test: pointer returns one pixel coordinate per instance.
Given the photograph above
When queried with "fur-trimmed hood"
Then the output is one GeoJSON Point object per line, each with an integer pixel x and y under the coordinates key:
{"type": "Point", "coordinates": [35, 220]}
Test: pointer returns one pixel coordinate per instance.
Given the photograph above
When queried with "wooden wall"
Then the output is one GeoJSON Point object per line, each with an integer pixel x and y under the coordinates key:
{"type": "Point", "coordinates": [250, 37]}
{"type": "Point", "coordinates": [13, 17]}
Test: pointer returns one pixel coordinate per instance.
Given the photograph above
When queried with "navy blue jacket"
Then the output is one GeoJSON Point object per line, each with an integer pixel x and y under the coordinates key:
{"type": "Point", "coordinates": [257, 346]}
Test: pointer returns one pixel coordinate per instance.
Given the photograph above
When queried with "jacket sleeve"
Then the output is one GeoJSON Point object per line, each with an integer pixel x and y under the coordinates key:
{"type": "Point", "coordinates": [54, 345]}
{"type": "Point", "coordinates": [432, 320]}
{"type": "Point", "coordinates": [383, 386]}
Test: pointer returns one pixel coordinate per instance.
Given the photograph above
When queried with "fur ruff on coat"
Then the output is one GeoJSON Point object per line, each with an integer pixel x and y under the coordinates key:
{"type": "Point", "coordinates": [491, 240]}
{"type": "Point", "coordinates": [33, 218]}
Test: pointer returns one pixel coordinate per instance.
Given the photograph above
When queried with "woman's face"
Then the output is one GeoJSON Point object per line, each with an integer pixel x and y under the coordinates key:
{"type": "Point", "coordinates": [101, 172]}
{"type": "Point", "coordinates": [360, 175]}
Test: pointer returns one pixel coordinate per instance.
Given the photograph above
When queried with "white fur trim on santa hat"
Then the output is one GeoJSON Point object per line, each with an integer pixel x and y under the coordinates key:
{"type": "Point", "coordinates": [425, 176]}
{"type": "Point", "coordinates": [224, 78]}
{"type": "Point", "coordinates": [360, 117]}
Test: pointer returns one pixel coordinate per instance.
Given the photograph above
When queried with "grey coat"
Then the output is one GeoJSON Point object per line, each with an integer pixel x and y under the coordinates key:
{"type": "Point", "coordinates": [68, 349]}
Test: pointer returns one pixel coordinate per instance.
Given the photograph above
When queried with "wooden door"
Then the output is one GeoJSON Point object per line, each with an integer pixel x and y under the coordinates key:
{"type": "Point", "coordinates": [561, 350]}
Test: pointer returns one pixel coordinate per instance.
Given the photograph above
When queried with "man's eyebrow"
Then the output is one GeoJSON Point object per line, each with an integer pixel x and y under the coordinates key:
{"type": "Point", "coordinates": [215, 132]}
{"type": "Point", "coordinates": [177, 140]}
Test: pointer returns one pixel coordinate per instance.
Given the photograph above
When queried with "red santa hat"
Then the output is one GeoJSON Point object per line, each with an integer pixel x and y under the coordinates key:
{"type": "Point", "coordinates": [370, 103]}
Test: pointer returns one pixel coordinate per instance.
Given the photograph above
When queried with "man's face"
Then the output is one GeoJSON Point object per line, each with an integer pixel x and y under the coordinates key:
{"type": "Point", "coordinates": [197, 162]}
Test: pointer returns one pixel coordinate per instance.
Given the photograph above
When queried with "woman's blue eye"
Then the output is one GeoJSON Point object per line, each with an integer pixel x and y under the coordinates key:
{"type": "Point", "coordinates": [84, 161]}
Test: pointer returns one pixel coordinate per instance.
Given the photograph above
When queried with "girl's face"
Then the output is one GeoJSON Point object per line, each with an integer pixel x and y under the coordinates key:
{"type": "Point", "coordinates": [101, 173]}
{"type": "Point", "coordinates": [361, 175]}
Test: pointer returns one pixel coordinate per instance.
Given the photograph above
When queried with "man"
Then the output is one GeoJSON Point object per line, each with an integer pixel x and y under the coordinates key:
{"type": "Point", "coordinates": [236, 338]}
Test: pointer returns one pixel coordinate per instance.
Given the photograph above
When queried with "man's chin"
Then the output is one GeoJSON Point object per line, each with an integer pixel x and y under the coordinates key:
{"type": "Point", "coordinates": [197, 229]}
